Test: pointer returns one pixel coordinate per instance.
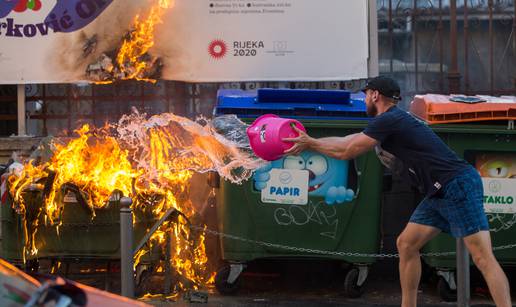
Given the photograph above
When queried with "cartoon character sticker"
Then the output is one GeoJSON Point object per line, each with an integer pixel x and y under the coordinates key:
{"type": "Point", "coordinates": [498, 172]}
{"type": "Point", "coordinates": [496, 165]}
{"type": "Point", "coordinates": [328, 177]}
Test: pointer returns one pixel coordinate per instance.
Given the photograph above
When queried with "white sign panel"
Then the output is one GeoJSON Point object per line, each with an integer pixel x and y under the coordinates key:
{"type": "Point", "coordinates": [196, 40]}
{"type": "Point", "coordinates": [499, 195]}
{"type": "Point", "coordinates": [286, 186]}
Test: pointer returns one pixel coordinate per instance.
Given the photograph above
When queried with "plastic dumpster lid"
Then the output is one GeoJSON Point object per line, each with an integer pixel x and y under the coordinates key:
{"type": "Point", "coordinates": [297, 103]}
{"type": "Point", "coordinates": [303, 96]}
{"type": "Point", "coordinates": [441, 109]}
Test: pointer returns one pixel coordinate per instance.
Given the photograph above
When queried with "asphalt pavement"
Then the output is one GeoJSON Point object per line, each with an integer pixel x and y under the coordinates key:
{"type": "Point", "coordinates": [306, 283]}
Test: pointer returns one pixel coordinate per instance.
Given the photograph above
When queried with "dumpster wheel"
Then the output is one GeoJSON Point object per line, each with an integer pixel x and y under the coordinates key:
{"type": "Point", "coordinates": [445, 292]}
{"type": "Point", "coordinates": [351, 287]}
{"type": "Point", "coordinates": [143, 276]}
{"type": "Point", "coordinates": [223, 285]}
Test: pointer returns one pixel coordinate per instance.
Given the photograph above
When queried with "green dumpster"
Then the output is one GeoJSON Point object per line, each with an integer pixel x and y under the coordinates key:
{"type": "Point", "coordinates": [492, 150]}
{"type": "Point", "coordinates": [78, 234]}
{"type": "Point", "coordinates": [289, 208]}
{"type": "Point", "coordinates": [11, 236]}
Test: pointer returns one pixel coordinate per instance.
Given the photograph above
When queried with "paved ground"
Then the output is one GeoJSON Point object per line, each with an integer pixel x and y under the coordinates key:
{"type": "Point", "coordinates": [320, 284]}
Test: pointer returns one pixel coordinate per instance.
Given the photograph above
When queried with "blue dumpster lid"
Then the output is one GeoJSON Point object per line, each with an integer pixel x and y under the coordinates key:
{"type": "Point", "coordinates": [293, 103]}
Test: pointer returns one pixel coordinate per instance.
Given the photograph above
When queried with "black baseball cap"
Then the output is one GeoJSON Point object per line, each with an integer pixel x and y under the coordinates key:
{"type": "Point", "coordinates": [388, 87]}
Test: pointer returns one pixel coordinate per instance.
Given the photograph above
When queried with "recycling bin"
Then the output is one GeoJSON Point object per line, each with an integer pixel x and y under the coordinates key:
{"type": "Point", "coordinates": [77, 234]}
{"type": "Point", "coordinates": [308, 205]}
{"type": "Point", "coordinates": [11, 235]}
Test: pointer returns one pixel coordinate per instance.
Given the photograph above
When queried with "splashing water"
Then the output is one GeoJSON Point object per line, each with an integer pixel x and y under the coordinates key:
{"type": "Point", "coordinates": [180, 144]}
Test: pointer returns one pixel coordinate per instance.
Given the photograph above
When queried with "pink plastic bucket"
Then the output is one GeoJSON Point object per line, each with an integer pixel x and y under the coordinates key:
{"type": "Point", "coordinates": [266, 134]}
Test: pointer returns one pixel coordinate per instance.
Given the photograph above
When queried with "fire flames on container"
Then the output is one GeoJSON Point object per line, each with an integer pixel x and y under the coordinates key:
{"type": "Point", "coordinates": [150, 160]}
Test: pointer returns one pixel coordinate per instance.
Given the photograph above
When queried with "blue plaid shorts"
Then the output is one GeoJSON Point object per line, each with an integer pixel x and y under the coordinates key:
{"type": "Point", "coordinates": [457, 209]}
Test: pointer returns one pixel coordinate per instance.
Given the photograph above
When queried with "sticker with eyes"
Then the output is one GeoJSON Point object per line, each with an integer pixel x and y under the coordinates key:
{"type": "Point", "coordinates": [328, 177]}
{"type": "Point", "coordinates": [497, 166]}
{"type": "Point", "coordinates": [294, 162]}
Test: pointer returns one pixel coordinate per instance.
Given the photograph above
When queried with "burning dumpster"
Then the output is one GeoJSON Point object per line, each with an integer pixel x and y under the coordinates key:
{"type": "Point", "coordinates": [69, 204]}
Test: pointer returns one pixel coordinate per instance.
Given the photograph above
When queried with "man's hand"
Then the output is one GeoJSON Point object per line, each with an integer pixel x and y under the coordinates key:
{"type": "Point", "coordinates": [301, 143]}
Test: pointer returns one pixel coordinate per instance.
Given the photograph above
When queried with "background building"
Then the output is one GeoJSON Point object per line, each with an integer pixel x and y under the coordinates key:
{"type": "Point", "coordinates": [429, 46]}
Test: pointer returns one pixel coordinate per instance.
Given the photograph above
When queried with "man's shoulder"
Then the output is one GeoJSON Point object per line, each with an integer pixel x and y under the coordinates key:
{"type": "Point", "coordinates": [399, 114]}
{"type": "Point", "coordinates": [394, 113]}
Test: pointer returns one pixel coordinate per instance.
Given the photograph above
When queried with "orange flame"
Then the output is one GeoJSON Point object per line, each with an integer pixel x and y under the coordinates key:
{"type": "Point", "coordinates": [130, 57]}
{"type": "Point", "coordinates": [96, 164]}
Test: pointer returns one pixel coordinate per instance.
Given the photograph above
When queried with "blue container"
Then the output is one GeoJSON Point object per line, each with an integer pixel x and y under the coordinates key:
{"type": "Point", "coordinates": [293, 103]}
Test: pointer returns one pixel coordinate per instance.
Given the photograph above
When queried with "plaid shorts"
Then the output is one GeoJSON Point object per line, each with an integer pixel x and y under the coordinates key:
{"type": "Point", "coordinates": [457, 209]}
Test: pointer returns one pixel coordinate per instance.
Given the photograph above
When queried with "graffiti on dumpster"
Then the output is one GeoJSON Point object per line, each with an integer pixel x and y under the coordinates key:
{"type": "Point", "coordinates": [300, 215]}
{"type": "Point", "coordinates": [498, 172]}
{"type": "Point", "coordinates": [327, 178]}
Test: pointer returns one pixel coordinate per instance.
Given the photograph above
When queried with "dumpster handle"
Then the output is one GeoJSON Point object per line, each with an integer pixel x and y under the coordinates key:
{"type": "Point", "coordinates": [171, 213]}
{"type": "Point", "coordinates": [359, 174]}
{"type": "Point", "coordinates": [85, 203]}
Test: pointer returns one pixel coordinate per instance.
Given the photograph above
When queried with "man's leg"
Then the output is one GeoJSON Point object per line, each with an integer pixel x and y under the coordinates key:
{"type": "Point", "coordinates": [410, 241]}
{"type": "Point", "coordinates": [479, 245]}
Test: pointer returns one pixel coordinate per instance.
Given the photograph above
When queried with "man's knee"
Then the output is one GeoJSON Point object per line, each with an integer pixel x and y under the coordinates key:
{"type": "Point", "coordinates": [405, 246]}
{"type": "Point", "coordinates": [413, 237]}
{"type": "Point", "coordinates": [483, 260]}
{"type": "Point", "coordinates": [479, 246]}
